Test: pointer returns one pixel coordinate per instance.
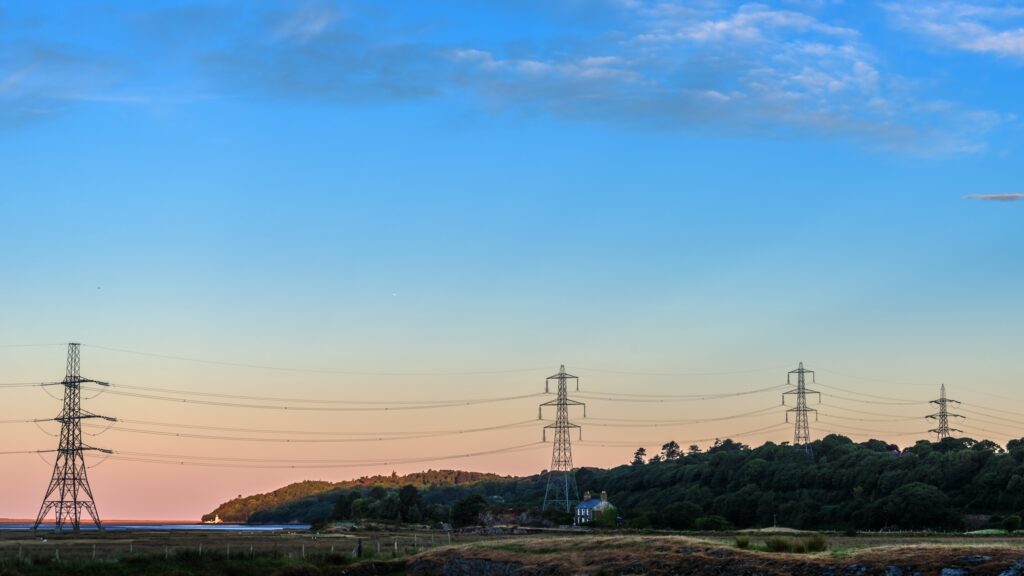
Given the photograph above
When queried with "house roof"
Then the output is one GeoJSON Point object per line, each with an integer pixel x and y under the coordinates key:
{"type": "Point", "coordinates": [592, 504]}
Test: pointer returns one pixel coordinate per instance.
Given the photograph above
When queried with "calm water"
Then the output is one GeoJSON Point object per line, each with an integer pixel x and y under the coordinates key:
{"type": "Point", "coordinates": [114, 526]}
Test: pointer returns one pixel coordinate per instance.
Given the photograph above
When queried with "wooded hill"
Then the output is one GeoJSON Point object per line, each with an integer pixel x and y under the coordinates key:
{"type": "Point", "coordinates": [241, 509]}
{"type": "Point", "coordinates": [840, 485]}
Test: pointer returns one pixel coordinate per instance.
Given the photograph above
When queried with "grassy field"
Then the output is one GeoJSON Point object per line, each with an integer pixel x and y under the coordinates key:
{"type": "Point", "coordinates": [182, 553]}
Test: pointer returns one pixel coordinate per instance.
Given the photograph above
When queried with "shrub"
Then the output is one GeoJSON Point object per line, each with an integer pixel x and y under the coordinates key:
{"type": "Point", "coordinates": [711, 523]}
{"type": "Point", "coordinates": [778, 544]}
{"type": "Point", "coordinates": [320, 524]}
{"type": "Point", "coordinates": [640, 522]}
{"type": "Point", "coordinates": [816, 543]}
{"type": "Point", "coordinates": [743, 541]}
{"type": "Point", "coordinates": [1011, 523]}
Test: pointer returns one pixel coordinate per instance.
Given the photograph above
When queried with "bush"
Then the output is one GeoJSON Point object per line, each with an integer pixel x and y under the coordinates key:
{"type": "Point", "coordinates": [320, 524]}
{"type": "Point", "coordinates": [711, 523]}
{"type": "Point", "coordinates": [816, 543]}
{"type": "Point", "coordinates": [640, 522]}
{"type": "Point", "coordinates": [743, 541]}
{"type": "Point", "coordinates": [778, 544]}
{"type": "Point", "coordinates": [1011, 523]}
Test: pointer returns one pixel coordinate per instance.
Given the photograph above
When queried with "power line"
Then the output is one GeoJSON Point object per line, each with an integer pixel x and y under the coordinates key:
{"type": "Point", "coordinates": [32, 345]}
{"type": "Point", "coordinates": [855, 411]}
{"type": "Point", "coordinates": [1003, 419]}
{"type": "Point", "coordinates": [869, 379]}
{"type": "Point", "coordinates": [912, 419]}
{"type": "Point", "coordinates": [313, 440]}
{"type": "Point", "coordinates": [393, 408]}
{"type": "Point", "coordinates": [631, 443]}
{"type": "Point", "coordinates": [869, 432]}
{"type": "Point", "coordinates": [631, 423]}
{"type": "Point", "coordinates": [309, 370]}
{"type": "Point", "coordinates": [315, 433]}
{"type": "Point", "coordinates": [723, 373]}
{"type": "Point", "coordinates": [655, 399]}
{"type": "Point", "coordinates": [1010, 412]}
{"type": "Point", "coordinates": [889, 398]}
{"type": "Point", "coordinates": [301, 400]}
{"type": "Point", "coordinates": [222, 462]}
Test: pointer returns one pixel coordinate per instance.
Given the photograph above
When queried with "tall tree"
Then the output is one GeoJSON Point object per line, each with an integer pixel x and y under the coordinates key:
{"type": "Point", "coordinates": [670, 451]}
{"type": "Point", "coordinates": [638, 456]}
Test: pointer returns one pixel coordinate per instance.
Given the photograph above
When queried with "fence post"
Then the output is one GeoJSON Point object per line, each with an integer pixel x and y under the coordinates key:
{"type": "Point", "coordinates": [229, 551]}
{"type": "Point", "coordinates": [303, 550]}
{"type": "Point", "coordinates": [56, 553]}
{"type": "Point", "coordinates": [396, 548]}
{"type": "Point", "coordinates": [167, 553]}
{"type": "Point", "coordinates": [94, 552]}
{"type": "Point", "coordinates": [200, 550]}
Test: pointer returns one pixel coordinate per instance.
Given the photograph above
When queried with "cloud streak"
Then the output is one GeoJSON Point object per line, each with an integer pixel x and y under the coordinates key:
{"type": "Point", "coordinates": [996, 197]}
{"type": "Point", "coordinates": [992, 27]}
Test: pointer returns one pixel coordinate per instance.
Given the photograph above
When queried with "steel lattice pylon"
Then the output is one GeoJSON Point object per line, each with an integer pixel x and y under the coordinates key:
{"type": "Point", "coordinates": [942, 431]}
{"type": "Point", "coordinates": [69, 492]}
{"type": "Point", "coordinates": [561, 488]}
{"type": "Point", "coordinates": [802, 428]}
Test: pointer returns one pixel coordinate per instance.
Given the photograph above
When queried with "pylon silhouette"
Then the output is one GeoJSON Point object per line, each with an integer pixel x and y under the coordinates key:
{"type": "Point", "coordinates": [69, 492]}
{"type": "Point", "coordinates": [561, 490]}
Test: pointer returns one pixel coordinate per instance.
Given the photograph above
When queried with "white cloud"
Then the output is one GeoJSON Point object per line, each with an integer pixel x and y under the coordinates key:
{"type": "Point", "coordinates": [739, 67]}
{"type": "Point", "coordinates": [306, 23]}
{"type": "Point", "coordinates": [984, 28]}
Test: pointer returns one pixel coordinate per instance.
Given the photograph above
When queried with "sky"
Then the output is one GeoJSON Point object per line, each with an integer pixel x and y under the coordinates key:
{"type": "Point", "coordinates": [382, 205]}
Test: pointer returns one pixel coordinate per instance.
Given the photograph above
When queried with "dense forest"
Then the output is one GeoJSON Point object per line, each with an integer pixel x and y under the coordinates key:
{"type": "Point", "coordinates": [837, 484]}
{"type": "Point", "coordinates": [303, 494]}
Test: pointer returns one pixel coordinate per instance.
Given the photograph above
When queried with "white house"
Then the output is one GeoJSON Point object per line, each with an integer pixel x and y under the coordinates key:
{"type": "Point", "coordinates": [586, 509]}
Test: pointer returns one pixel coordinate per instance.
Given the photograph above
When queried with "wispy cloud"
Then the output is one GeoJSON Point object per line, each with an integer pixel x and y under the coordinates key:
{"type": "Point", "coordinates": [735, 67]}
{"type": "Point", "coordinates": [37, 80]}
{"type": "Point", "coordinates": [709, 66]}
{"type": "Point", "coordinates": [996, 197]}
{"type": "Point", "coordinates": [985, 27]}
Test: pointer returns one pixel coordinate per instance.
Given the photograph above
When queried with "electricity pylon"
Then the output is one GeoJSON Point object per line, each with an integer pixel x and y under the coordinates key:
{"type": "Point", "coordinates": [69, 492]}
{"type": "Point", "coordinates": [802, 429]}
{"type": "Point", "coordinates": [942, 431]}
{"type": "Point", "coordinates": [561, 488]}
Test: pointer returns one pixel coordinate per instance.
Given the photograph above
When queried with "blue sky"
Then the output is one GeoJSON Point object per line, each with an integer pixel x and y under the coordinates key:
{"type": "Point", "coordinates": [455, 185]}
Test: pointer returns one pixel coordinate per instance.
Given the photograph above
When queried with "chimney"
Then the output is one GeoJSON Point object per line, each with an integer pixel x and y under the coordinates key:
{"type": "Point", "coordinates": [604, 496]}
{"type": "Point", "coordinates": [586, 495]}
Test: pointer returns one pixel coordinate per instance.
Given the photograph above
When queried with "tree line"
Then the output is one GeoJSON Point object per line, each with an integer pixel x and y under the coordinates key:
{"type": "Point", "coordinates": [833, 483]}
